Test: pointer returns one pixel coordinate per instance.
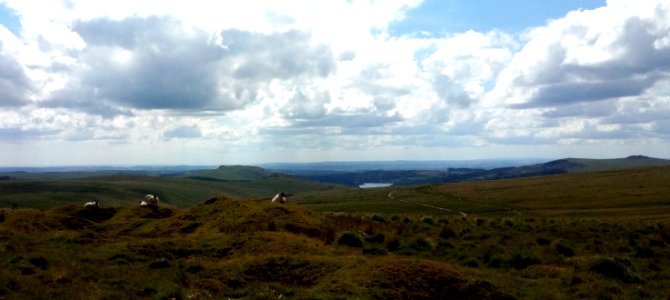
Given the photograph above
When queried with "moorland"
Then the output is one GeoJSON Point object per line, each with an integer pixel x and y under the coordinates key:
{"type": "Point", "coordinates": [599, 234]}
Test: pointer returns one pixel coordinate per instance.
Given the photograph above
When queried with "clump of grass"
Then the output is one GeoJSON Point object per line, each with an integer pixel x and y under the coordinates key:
{"type": "Point", "coordinates": [350, 239]}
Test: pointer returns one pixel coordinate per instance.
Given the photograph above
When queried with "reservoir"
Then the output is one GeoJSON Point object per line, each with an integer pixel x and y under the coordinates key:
{"type": "Point", "coordinates": [369, 185]}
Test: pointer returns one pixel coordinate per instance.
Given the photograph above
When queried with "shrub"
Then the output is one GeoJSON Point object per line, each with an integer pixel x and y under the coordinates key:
{"type": "Point", "coordinates": [377, 238]}
{"type": "Point", "coordinates": [428, 220]}
{"type": "Point", "coordinates": [542, 241]}
{"type": "Point", "coordinates": [447, 233]}
{"type": "Point", "coordinates": [393, 245]}
{"type": "Point", "coordinates": [378, 218]}
{"type": "Point", "coordinates": [159, 264]}
{"type": "Point", "coordinates": [39, 262]}
{"type": "Point", "coordinates": [508, 223]}
{"type": "Point", "coordinates": [422, 245]}
{"type": "Point", "coordinates": [471, 262]}
{"type": "Point", "coordinates": [643, 252]}
{"type": "Point", "coordinates": [563, 249]}
{"type": "Point", "coordinates": [613, 269]}
{"type": "Point", "coordinates": [523, 260]}
{"type": "Point", "coordinates": [375, 251]}
{"type": "Point", "coordinates": [495, 261]}
{"type": "Point", "coordinates": [350, 239]}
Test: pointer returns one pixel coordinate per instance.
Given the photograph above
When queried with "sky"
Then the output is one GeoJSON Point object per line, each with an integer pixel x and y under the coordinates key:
{"type": "Point", "coordinates": [199, 82]}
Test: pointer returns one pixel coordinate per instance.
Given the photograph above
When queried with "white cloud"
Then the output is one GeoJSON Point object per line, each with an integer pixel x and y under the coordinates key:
{"type": "Point", "coordinates": [590, 56]}
{"type": "Point", "coordinates": [192, 77]}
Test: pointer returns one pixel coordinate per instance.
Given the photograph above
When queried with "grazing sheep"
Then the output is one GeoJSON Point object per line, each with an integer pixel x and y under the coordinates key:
{"type": "Point", "coordinates": [150, 200]}
{"type": "Point", "coordinates": [92, 204]}
{"type": "Point", "coordinates": [279, 198]}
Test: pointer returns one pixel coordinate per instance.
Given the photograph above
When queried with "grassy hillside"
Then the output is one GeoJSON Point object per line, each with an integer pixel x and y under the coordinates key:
{"type": "Point", "coordinates": [50, 190]}
{"type": "Point", "coordinates": [224, 248]}
{"type": "Point", "coordinates": [629, 194]}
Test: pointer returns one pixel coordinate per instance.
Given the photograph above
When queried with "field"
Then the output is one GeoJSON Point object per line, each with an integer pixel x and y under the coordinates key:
{"type": "Point", "coordinates": [601, 235]}
{"type": "Point", "coordinates": [629, 194]}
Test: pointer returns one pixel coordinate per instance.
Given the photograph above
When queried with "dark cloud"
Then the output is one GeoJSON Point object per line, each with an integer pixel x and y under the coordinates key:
{"type": "Point", "coordinates": [573, 92]}
{"type": "Point", "coordinates": [14, 84]}
{"type": "Point", "coordinates": [157, 63]}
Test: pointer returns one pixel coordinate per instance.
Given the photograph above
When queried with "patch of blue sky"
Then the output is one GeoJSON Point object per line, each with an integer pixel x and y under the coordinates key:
{"type": "Point", "coordinates": [441, 17]}
{"type": "Point", "coordinates": [10, 19]}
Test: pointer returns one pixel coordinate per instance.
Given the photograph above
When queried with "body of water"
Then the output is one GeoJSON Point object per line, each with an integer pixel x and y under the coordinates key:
{"type": "Point", "coordinates": [369, 185]}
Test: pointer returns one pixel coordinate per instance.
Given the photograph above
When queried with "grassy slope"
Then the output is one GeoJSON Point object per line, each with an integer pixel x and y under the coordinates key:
{"type": "Point", "coordinates": [622, 194]}
{"type": "Point", "coordinates": [46, 192]}
{"type": "Point", "coordinates": [594, 165]}
{"type": "Point", "coordinates": [254, 249]}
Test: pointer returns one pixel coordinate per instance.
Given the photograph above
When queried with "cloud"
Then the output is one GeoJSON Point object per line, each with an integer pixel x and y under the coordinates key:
{"type": "Point", "coordinates": [15, 86]}
{"type": "Point", "coordinates": [158, 63]}
{"type": "Point", "coordinates": [607, 53]}
{"type": "Point", "coordinates": [183, 132]}
{"type": "Point", "coordinates": [26, 134]}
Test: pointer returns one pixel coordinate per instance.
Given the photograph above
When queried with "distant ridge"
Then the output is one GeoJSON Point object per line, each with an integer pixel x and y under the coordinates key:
{"type": "Point", "coordinates": [231, 173]}
{"type": "Point", "coordinates": [590, 165]}
{"type": "Point", "coordinates": [559, 166]}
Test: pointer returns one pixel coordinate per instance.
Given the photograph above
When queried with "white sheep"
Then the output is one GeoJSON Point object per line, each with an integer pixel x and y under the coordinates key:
{"type": "Point", "coordinates": [92, 204]}
{"type": "Point", "coordinates": [150, 200]}
{"type": "Point", "coordinates": [279, 198]}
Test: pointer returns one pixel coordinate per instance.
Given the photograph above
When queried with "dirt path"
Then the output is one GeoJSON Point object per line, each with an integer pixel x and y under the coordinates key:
{"type": "Point", "coordinates": [390, 196]}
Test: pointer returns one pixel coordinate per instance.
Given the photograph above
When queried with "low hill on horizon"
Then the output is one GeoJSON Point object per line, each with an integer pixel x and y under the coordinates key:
{"type": "Point", "coordinates": [408, 177]}
{"type": "Point", "coordinates": [231, 173]}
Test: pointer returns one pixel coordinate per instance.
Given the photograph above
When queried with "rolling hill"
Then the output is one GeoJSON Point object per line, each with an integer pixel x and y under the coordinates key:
{"type": "Point", "coordinates": [631, 194]}
{"type": "Point", "coordinates": [45, 190]}
{"type": "Point", "coordinates": [408, 177]}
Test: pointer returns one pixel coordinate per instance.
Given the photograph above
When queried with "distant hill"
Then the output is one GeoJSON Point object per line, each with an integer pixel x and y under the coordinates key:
{"type": "Point", "coordinates": [405, 177]}
{"type": "Point", "coordinates": [231, 173]}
